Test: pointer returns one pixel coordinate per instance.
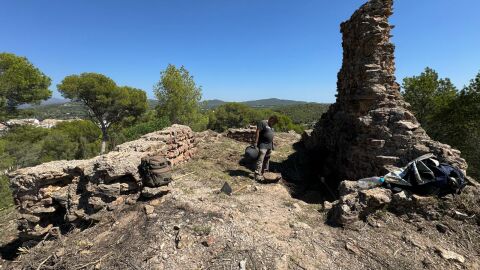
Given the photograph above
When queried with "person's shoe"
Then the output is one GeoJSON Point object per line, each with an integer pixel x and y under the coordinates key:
{"type": "Point", "coordinates": [259, 178]}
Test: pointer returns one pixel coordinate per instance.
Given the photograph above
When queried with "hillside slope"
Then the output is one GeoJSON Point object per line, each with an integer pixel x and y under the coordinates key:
{"type": "Point", "coordinates": [259, 227]}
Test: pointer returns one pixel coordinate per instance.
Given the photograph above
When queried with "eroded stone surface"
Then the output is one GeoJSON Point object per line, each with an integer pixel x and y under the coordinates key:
{"type": "Point", "coordinates": [242, 134]}
{"type": "Point", "coordinates": [61, 192]}
{"type": "Point", "coordinates": [369, 129]}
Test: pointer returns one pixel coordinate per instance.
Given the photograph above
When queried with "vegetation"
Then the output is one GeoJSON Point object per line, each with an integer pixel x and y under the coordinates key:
{"type": "Point", "coordinates": [133, 128]}
{"type": "Point", "coordinates": [428, 94]}
{"type": "Point", "coordinates": [448, 115]}
{"type": "Point", "coordinates": [179, 98]}
{"type": "Point", "coordinates": [303, 114]}
{"type": "Point", "coordinates": [106, 103]}
{"type": "Point", "coordinates": [69, 110]}
{"type": "Point", "coordinates": [236, 115]}
{"type": "Point", "coordinates": [20, 83]}
{"type": "Point", "coordinates": [25, 146]}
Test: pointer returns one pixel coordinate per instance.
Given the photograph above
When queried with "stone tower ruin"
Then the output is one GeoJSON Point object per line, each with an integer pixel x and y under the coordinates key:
{"type": "Point", "coordinates": [370, 129]}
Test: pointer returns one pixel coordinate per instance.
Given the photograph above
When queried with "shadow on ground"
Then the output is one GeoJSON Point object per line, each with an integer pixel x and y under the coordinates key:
{"type": "Point", "coordinates": [299, 175]}
{"type": "Point", "coordinates": [242, 173]}
{"type": "Point", "coordinates": [10, 251]}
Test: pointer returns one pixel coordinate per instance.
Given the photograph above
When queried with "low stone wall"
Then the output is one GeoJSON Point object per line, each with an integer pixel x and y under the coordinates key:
{"type": "Point", "coordinates": [242, 134]}
{"type": "Point", "coordinates": [79, 191]}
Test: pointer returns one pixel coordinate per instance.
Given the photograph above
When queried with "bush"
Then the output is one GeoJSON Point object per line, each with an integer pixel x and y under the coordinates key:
{"type": "Point", "coordinates": [5, 193]}
{"type": "Point", "coordinates": [236, 115]}
{"type": "Point", "coordinates": [136, 131]}
{"type": "Point", "coordinates": [303, 114]}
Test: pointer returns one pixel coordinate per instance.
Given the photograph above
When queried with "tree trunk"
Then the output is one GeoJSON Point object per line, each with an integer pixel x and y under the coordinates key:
{"type": "Point", "coordinates": [104, 140]}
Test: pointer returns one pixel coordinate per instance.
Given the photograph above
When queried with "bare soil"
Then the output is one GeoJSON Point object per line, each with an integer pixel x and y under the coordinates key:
{"type": "Point", "coordinates": [260, 226]}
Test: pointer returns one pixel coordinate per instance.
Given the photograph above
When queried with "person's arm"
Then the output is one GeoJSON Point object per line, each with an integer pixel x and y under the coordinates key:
{"type": "Point", "coordinates": [257, 136]}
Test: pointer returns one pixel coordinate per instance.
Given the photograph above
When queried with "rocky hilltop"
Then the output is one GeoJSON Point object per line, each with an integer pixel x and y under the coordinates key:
{"type": "Point", "coordinates": [96, 214]}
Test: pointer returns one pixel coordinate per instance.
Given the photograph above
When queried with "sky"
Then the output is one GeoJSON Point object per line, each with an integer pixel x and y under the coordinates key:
{"type": "Point", "coordinates": [236, 50]}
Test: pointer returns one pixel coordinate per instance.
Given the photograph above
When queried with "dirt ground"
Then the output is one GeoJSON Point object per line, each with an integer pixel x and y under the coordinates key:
{"type": "Point", "coordinates": [261, 226]}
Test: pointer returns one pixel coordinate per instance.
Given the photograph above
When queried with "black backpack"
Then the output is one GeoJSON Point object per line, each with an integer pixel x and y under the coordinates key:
{"type": "Point", "coordinates": [155, 171]}
{"type": "Point", "coordinates": [442, 179]}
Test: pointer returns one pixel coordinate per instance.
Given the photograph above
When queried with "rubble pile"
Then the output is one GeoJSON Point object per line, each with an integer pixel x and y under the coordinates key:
{"type": "Point", "coordinates": [370, 130]}
{"type": "Point", "coordinates": [356, 205]}
{"type": "Point", "coordinates": [242, 134]}
{"type": "Point", "coordinates": [79, 191]}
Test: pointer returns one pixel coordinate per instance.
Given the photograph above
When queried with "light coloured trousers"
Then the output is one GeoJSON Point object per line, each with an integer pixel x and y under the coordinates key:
{"type": "Point", "coordinates": [263, 161]}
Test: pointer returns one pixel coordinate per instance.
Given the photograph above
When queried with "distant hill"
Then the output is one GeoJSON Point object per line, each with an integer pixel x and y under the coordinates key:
{"type": "Point", "coordinates": [67, 110]}
{"type": "Point", "coordinates": [261, 103]}
{"type": "Point", "coordinates": [299, 111]}
{"type": "Point", "coordinates": [51, 101]}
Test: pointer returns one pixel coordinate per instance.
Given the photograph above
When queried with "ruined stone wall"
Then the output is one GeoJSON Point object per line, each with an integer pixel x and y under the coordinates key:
{"type": "Point", "coordinates": [369, 129]}
{"type": "Point", "coordinates": [72, 192]}
{"type": "Point", "coordinates": [242, 134]}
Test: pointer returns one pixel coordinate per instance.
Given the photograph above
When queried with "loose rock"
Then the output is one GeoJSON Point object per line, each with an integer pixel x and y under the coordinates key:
{"type": "Point", "coordinates": [450, 255]}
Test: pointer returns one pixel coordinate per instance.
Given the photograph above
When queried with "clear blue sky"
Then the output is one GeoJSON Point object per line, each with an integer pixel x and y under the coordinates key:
{"type": "Point", "coordinates": [236, 49]}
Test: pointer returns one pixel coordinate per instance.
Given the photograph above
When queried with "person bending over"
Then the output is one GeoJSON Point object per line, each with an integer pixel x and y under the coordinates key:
{"type": "Point", "coordinates": [264, 143]}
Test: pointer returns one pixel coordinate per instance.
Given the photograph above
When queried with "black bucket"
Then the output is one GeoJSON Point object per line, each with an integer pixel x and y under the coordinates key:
{"type": "Point", "coordinates": [251, 153]}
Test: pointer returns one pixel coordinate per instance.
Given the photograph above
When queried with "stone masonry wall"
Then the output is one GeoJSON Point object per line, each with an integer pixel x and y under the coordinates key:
{"type": "Point", "coordinates": [79, 191]}
{"type": "Point", "coordinates": [370, 129]}
{"type": "Point", "coordinates": [242, 134]}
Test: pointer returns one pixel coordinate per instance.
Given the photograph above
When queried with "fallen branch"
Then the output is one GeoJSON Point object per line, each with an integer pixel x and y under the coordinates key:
{"type": "Point", "coordinates": [240, 189]}
{"type": "Point", "coordinates": [43, 262]}
{"type": "Point", "coordinates": [91, 263]}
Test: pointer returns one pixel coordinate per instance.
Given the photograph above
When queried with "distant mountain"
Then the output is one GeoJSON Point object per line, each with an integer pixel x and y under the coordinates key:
{"type": "Point", "coordinates": [50, 101]}
{"type": "Point", "coordinates": [261, 103]}
{"type": "Point", "coordinates": [212, 103]}
{"type": "Point", "coordinates": [152, 103]}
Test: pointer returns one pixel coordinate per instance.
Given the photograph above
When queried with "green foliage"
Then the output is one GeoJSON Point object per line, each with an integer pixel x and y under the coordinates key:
{"type": "Point", "coordinates": [57, 145]}
{"type": "Point", "coordinates": [460, 125]}
{"type": "Point", "coordinates": [106, 103]}
{"type": "Point", "coordinates": [236, 115]}
{"type": "Point", "coordinates": [23, 145]}
{"type": "Point", "coordinates": [146, 124]}
{"type": "Point", "coordinates": [231, 115]}
{"type": "Point", "coordinates": [6, 199]}
{"type": "Point", "coordinates": [428, 94]}
{"type": "Point", "coordinates": [452, 117]}
{"type": "Point", "coordinates": [179, 97]}
{"type": "Point", "coordinates": [20, 83]}
{"type": "Point", "coordinates": [303, 114]}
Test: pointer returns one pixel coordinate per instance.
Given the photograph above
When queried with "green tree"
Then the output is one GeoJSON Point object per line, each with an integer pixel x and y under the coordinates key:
{"type": "Point", "coordinates": [428, 94]}
{"type": "Point", "coordinates": [57, 146]}
{"type": "Point", "coordinates": [23, 145]}
{"type": "Point", "coordinates": [462, 125]}
{"type": "Point", "coordinates": [452, 117]}
{"type": "Point", "coordinates": [236, 115]}
{"type": "Point", "coordinates": [84, 134]}
{"type": "Point", "coordinates": [20, 83]}
{"type": "Point", "coordinates": [106, 103]}
{"type": "Point", "coordinates": [178, 96]}
{"type": "Point", "coordinates": [231, 115]}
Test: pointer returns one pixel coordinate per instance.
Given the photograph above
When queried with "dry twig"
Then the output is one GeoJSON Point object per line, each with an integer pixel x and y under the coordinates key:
{"type": "Point", "coordinates": [91, 263]}
{"type": "Point", "coordinates": [43, 262]}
